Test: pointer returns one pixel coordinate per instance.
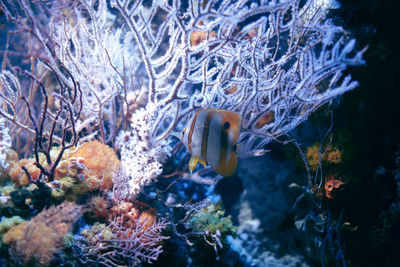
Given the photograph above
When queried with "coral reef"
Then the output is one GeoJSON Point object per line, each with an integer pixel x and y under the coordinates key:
{"type": "Point", "coordinates": [94, 95]}
{"type": "Point", "coordinates": [11, 158]}
{"type": "Point", "coordinates": [128, 214]}
{"type": "Point", "coordinates": [287, 79]}
{"type": "Point", "coordinates": [19, 176]}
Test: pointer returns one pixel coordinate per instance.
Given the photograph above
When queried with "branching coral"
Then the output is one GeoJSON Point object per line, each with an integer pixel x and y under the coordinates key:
{"type": "Point", "coordinates": [280, 59]}
{"type": "Point", "coordinates": [132, 237]}
{"type": "Point", "coordinates": [273, 62]}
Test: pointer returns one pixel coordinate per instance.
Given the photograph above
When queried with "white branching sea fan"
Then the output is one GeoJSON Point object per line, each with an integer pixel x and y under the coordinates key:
{"type": "Point", "coordinates": [274, 62]}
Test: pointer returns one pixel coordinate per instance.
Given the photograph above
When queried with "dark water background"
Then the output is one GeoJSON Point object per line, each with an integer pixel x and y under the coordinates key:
{"type": "Point", "coordinates": [367, 123]}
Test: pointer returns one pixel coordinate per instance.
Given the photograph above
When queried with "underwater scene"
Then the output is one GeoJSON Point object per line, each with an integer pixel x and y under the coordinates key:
{"type": "Point", "coordinates": [199, 133]}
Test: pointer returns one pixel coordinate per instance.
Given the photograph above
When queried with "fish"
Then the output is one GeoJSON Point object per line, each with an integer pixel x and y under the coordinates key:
{"type": "Point", "coordinates": [211, 136]}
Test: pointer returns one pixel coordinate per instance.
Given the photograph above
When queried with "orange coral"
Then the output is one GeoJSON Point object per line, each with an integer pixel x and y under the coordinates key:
{"type": "Point", "coordinates": [100, 161]}
{"type": "Point", "coordinates": [71, 167]}
{"type": "Point", "coordinates": [129, 214]}
{"type": "Point", "coordinates": [331, 183]}
{"type": "Point", "coordinates": [14, 233]}
{"type": "Point", "coordinates": [35, 242]}
{"type": "Point", "coordinates": [11, 159]}
{"type": "Point", "coordinates": [97, 208]}
{"type": "Point", "coordinates": [250, 35]}
{"type": "Point", "coordinates": [18, 175]}
{"type": "Point", "coordinates": [331, 155]}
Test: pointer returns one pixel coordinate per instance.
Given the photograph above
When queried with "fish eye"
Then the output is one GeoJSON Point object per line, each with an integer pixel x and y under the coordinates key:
{"type": "Point", "coordinates": [227, 125]}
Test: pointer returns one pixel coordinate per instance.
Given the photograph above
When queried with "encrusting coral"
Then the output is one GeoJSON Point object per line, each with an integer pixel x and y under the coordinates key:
{"type": "Point", "coordinates": [210, 225]}
{"type": "Point", "coordinates": [11, 158]}
{"type": "Point", "coordinates": [86, 168]}
{"type": "Point", "coordinates": [100, 163]}
{"type": "Point", "coordinates": [8, 223]}
{"type": "Point", "coordinates": [332, 183]}
{"type": "Point", "coordinates": [128, 214]}
{"type": "Point", "coordinates": [97, 234]}
{"type": "Point", "coordinates": [211, 220]}
{"type": "Point", "coordinates": [329, 154]}
{"type": "Point", "coordinates": [19, 176]}
{"type": "Point", "coordinates": [34, 242]}
{"type": "Point", "coordinates": [97, 209]}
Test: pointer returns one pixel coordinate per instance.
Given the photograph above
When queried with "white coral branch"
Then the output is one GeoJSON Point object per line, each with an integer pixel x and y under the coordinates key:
{"type": "Point", "coordinates": [5, 143]}
{"type": "Point", "coordinates": [141, 154]}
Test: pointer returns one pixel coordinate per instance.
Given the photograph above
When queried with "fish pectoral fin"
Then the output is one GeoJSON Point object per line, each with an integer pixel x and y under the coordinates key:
{"type": "Point", "coordinates": [226, 168]}
{"type": "Point", "coordinates": [203, 162]}
{"type": "Point", "coordinates": [192, 163]}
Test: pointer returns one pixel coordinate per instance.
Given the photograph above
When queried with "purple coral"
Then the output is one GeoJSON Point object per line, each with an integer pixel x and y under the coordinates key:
{"type": "Point", "coordinates": [129, 246]}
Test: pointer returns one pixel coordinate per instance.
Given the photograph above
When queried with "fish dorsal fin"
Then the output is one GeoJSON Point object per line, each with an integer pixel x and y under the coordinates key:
{"type": "Point", "coordinates": [225, 168]}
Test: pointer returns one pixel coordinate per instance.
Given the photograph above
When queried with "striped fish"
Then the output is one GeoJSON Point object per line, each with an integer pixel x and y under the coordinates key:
{"type": "Point", "coordinates": [211, 136]}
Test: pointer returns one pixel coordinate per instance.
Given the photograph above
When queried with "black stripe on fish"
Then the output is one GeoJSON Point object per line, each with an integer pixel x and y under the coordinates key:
{"type": "Point", "coordinates": [206, 131]}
